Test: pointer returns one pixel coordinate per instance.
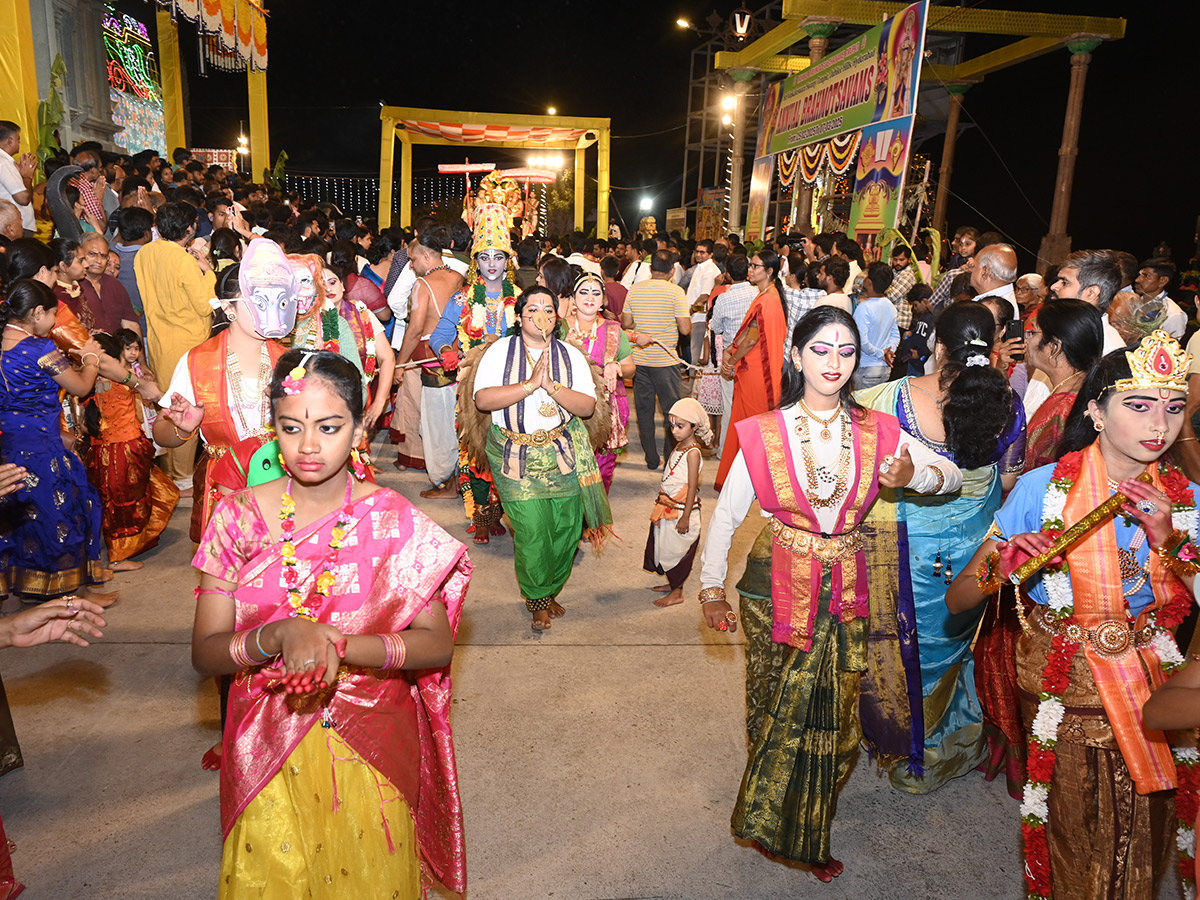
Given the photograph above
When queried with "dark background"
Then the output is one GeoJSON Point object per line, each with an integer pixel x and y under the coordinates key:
{"type": "Point", "coordinates": [330, 66]}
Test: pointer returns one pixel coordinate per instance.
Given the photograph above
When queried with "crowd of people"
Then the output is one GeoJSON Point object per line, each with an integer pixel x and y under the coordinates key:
{"type": "Point", "coordinates": [914, 429]}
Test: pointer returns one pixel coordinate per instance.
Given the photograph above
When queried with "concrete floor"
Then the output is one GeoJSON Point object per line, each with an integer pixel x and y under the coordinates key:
{"type": "Point", "coordinates": [600, 760]}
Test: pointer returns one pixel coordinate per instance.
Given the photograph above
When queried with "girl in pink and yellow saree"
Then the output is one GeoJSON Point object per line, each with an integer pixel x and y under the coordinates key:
{"type": "Point", "coordinates": [337, 616]}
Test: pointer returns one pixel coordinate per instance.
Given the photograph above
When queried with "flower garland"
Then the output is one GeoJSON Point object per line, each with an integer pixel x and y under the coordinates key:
{"type": "Point", "coordinates": [474, 323]}
{"type": "Point", "coordinates": [1035, 812]}
{"type": "Point", "coordinates": [290, 578]}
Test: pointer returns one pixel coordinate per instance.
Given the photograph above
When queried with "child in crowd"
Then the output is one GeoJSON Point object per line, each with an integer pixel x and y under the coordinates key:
{"type": "Point", "coordinates": [335, 603]}
{"type": "Point", "coordinates": [131, 355]}
{"type": "Point", "coordinates": [136, 496]}
{"type": "Point", "coordinates": [674, 530]}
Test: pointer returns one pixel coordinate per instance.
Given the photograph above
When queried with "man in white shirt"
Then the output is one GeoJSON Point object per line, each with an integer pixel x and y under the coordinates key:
{"type": "Point", "coordinates": [577, 258]}
{"type": "Point", "coordinates": [1153, 278]}
{"type": "Point", "coordinates": [995, 272]}
{"type": "Point", "coordinates": [638, 269]}
{"type": "Point", "coordinates": [832, 278]}
{"type": "Point", "coordinates": [16, 173]}
{"type": "Point", "coordinates": [704, 279]}
{"type": "Point", "coordinates": [1092, 276]}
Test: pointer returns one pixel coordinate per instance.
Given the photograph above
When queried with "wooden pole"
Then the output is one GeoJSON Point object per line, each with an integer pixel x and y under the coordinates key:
{"type": "Point", "coordinates": [1057, 243]}
{"type": "Point", "coordinates": [947, 167]}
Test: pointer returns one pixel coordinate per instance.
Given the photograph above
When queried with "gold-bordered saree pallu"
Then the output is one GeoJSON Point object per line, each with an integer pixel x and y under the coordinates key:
{"type": "Point", "coordinates": [819, 608]}
{"type": "Point", "coordinates": [209, 375]}
{"type": "Point", "coordinates": [394, 563]}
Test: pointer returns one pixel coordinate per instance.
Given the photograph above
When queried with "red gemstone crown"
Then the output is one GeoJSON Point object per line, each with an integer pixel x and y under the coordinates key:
{"type": "Point", "coordinates": [1159, 363]}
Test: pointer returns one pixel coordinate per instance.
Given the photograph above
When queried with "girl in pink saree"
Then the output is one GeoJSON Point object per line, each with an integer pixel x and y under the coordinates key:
{"type": "Point", "coordinates": [334, 603]}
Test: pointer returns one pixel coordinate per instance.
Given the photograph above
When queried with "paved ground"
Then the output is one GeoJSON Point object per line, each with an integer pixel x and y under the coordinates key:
{"type": "Point", "coordinates": [598, 761]}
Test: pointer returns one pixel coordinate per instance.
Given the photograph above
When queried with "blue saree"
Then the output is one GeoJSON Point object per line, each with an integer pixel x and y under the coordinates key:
{"type": "Point", "coordinates": [50, 538]}
{"type": "Point", "coordinates": [952, 525]}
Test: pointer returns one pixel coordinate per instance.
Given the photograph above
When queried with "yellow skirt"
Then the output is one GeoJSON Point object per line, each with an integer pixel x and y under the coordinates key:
{"type": "Point", "coordinates": [289, 842]}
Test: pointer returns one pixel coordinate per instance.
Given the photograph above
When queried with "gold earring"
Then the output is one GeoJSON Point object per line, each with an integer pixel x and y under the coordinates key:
{"type": "Point", "coordinates": [1099, 426]}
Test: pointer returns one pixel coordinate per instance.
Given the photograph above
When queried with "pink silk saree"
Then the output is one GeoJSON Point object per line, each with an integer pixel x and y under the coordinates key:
{"type": "Point", "coordinates": [394, 563]}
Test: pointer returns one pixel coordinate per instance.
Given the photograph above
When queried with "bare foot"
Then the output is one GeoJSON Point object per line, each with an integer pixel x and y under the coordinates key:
{"type": "Point", "coordinates": [556, 611]}
{"type": "Point", "coordinates": [211, 760]}
{"type": "Point", "coordinates": [662, 588]}
{"type": "Point", "coordinates": [104, 600]}
{"type": "Point", "coordinates": [541, 620]}
{"type": "Point", "coordinates": [106, 575]}
{"type": "Point", "coordinates": [445, 492]}
{"type": "Point", "coordinates": [481, 534]}
{"type": "Point", "coordinates": [672, 599]}
{"type": "Point", "coordinates": [497, 529]}
{"type": "Point", "coordinates": [827, 871]}
{"type": "Point", "coordinates": [128, 565]}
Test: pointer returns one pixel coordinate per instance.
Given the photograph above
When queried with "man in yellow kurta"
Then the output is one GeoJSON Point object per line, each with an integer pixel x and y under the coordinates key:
{"type": "Point", "coordinates": [175, 289]}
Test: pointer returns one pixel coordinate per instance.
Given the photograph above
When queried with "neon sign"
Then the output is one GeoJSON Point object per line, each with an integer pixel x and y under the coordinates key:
{"type": "Point", "coordinates": [132, 68]}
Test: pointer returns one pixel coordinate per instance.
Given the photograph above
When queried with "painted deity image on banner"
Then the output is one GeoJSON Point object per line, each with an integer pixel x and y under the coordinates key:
{"type": "Point", "coordinates": [904, 41]}
{"type": "Point", "coordinates": [879, 179]}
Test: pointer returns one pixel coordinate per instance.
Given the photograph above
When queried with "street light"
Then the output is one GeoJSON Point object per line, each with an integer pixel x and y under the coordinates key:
{"type": "Point", "coordinates": [646, 204]}
{"type": "Point", "coordinates": [729, 101]}
{"type": "Point", "coordinates": [551, 111]}
{"type": "Point", "coordinates": [727, 119]}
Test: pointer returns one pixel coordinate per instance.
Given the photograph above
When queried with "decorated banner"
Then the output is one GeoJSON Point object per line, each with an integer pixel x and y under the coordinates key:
{"type": "Point", "coordinates": [879, 179]}
{"type": "Point", "coordinates": [760, 198]}
{"type": "Point", "coordinates": [871, 79]}
{"type": "Point", "coordinates": [710, 213]}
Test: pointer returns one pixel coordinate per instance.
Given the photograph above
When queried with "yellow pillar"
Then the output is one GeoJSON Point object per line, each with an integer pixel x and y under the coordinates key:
{"type": "Point", "coordinates": [406, 184]}
{"type": "Point", "coordinates": [260, 141]}
{"type": "Point", "coordinates": [18, 74]}
{"type": "Point", "coordinates": [580, 158]}
{"type": "Point", "coordinates": [603, 187]}
{"type": "Point", "coordinates": [172, 82]}
{"type": "Point", "coordinates": [387, 158]}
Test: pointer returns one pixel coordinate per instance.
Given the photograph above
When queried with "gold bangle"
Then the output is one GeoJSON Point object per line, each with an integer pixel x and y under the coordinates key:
{"type": "Point", "coordinates": [83, 359]}
{"type": "Point", "coordinates": [988, 575]}
{"type": "Point", "coordinates": [179, 434]}
{"type": "Point", "coordinates": [557, 387]}
{"type": "Point", "coordinates": [527, 388]}
{"type": "Point", "coordinates": [712, 594]}
{"type": "Point", "coordinates": [941, 480]}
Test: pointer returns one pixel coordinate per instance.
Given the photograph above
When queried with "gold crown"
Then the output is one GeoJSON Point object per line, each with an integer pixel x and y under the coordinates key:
{"type": "Point", "coordinates": [492, 222]}
{"type": "Point", "coordinates": [1158, 364]}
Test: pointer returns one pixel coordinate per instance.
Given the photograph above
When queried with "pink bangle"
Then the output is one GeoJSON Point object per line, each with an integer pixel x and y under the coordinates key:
{"type": "Point", "coordinates": [394, 651]}
{"type": "Point", "coordinates": [238, 652]}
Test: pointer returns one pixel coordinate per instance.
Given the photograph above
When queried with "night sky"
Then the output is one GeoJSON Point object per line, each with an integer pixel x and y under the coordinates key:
{"type": "Point", "coordinates": [332, 64]}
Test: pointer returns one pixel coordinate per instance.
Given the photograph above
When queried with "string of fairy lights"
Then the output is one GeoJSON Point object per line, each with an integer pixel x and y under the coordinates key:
{"type": "Point", "coordinates": [359, 196]}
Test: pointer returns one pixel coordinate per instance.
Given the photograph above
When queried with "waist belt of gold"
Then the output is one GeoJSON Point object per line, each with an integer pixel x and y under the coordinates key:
{"type": "Point", "coordinates": [539, 438]}
{"type": "Point", "coordinates": [1113, 638]}
{"type": "Point", "coordinates": [826, 549]}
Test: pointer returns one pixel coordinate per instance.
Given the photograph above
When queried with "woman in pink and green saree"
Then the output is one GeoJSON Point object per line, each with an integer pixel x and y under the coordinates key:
{"type": "Point", "coordinates": [334, 603]}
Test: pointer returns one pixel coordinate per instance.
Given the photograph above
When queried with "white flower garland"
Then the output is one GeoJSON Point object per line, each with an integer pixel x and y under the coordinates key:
{"type": "Point", "coordinates": [1034, 805]}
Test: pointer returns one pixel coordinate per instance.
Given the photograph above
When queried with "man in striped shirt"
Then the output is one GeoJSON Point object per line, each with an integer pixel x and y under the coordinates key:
{"type": "Point", "coordinates": [658, 310]}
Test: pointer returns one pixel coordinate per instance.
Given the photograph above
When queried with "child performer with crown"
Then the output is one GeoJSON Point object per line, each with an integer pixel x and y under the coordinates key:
{"type": "Point", "coordinates": [479, 314]}
{"type": "Point", "coordinates": [1098, 815]}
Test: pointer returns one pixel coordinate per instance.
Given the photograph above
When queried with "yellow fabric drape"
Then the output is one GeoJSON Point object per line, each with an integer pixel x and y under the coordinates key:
{"type": "Point", "coordinates": [18, 73]}
{"type": "Point", "coordinates": [260, 141]}
{"type": "Point", "coordinates": [172, 82]}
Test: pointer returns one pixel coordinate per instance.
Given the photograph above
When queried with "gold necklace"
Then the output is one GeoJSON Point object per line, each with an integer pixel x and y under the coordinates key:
{"type": "Point", "coordinates": [1064, 381]}
{"type": "Point", "coordinates": [548, 409]}
{"type": "Point", "coordinates": [825, 434]}
{"type": "Point", "coordinates": [819, 476]}
{"type": "Point", "coordinates": [233, 372]}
